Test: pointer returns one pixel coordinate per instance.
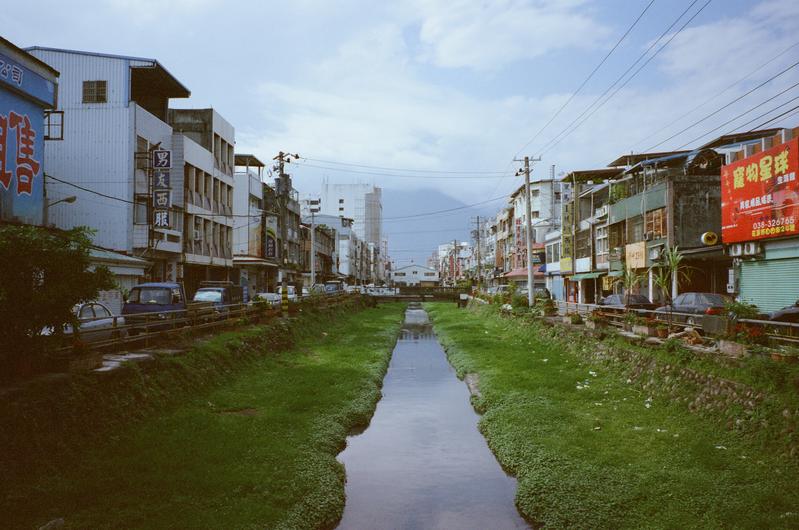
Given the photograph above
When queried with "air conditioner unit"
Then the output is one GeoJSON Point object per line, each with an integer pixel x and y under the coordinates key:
{"type": "Point", "coordinates": [655, 253]}
{"type": "Point", "coordinates": [198, 235]}
{"type": "Point", "coordinates": [752, 248]}
{"type": "Point", "coordinates": [735, 250]}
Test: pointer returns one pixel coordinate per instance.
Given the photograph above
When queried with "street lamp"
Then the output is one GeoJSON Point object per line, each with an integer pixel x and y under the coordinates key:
{"type": "Point", "coordinates": [48, 205]}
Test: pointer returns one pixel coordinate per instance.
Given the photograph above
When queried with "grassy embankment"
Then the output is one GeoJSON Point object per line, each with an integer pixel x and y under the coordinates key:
{"type": "Point", "coordinates": [256, 451]}
{"type": "Point", "coordinates": [591, 450]}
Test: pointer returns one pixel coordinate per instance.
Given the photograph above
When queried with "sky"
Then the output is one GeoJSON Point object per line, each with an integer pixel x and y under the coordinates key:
{"type": "Point", "coordinates": [459, 87]}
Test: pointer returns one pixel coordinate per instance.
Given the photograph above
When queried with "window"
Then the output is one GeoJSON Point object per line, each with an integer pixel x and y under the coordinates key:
{"type": "Point", "coordinates": [142, 153]}
{"type": "Point", "coordinates": [54, 125]}
{"type": "Point", "coordinates": [399, 274]}
{"type": "Point", "coordinates": [86, 311]}
{"type": "Point", "coordinates": [557, 196]}
{"type": "Point", "coordinates": [534, 215]}
{"type": "Point", "coordinates": [140, 212]}
{"type": "Point", "coordinates": [429, 273]}
{"type": "Point", "coordinates": [101, 312]}
{"type": "Point", "coordinates": [656, 223]}
{"type": "Point", "coordinates": [94, 92]}
{"type": "Point", "coordinates": [341, 201]}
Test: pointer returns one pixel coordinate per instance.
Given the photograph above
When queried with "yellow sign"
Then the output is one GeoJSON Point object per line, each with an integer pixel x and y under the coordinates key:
{"type": "Point", "coordinates": [635, 255]}
{"type": "Point", "coordinates": [565, 264]}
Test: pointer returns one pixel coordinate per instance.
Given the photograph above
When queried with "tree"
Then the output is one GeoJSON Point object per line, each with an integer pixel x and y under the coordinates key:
{"type": "Point", "coordinates": [45, 272]}
{"type": "Point", "coordinates": [629, 280]}
{"type": "Point", "coordinates": [665, 273]}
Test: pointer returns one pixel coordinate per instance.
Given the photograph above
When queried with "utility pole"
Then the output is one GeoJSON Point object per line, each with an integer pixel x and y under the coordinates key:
{"type": "Point", "coordinates": [479, 260]}
{"type": "Point", "coordinates": [283, 190]}
{"type": "Point", "coordinates": [528, 236]}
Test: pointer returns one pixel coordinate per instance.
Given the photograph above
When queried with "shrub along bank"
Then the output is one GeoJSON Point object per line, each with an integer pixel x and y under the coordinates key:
{"type": "Point", "coordinates": [595, 446]}
{"type": "Point", "coordinates": [242, 431]}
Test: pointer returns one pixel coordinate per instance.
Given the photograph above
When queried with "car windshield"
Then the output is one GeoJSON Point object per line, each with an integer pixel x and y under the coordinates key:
{"type": "Point", "coordinates": [208, 296]}
{"type": "Point", "coordinates": [712, 299]}
{"type": "Point", "coordinates": [638, 299]}
{"type": "Point", "coordinates": [150, 295]}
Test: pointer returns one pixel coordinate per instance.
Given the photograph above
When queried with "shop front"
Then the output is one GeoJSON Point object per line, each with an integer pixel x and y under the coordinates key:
{"type": "Point", "coordinates": [760, 207]}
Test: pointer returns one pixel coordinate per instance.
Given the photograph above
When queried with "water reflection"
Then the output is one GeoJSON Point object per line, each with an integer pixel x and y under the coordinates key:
{"type": "Point", "coordinates": [422, 463]}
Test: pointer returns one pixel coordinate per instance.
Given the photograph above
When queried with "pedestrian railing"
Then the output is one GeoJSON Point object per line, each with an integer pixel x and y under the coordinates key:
{"type": "Point", "coordinates": [142, 328]}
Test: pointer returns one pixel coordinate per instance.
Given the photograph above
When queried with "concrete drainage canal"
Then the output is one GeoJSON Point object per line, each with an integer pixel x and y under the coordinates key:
{"type": "Point", "coordinates": [422, 463]}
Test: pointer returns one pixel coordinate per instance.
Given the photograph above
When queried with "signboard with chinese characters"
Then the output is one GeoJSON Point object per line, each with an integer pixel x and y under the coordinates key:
{"type": "Point", "coordinates": [162, 193]}
{"type": "Point", "coordinates": [270, 237]}
{"type": "Point", "coordinates": [21, 159]}
{"type": "Point", "coordinates": [635, 255]}
{"type": "Point", "coordinates": [22, 79]}
{"type": "Point", "coordinates": [760, 195]}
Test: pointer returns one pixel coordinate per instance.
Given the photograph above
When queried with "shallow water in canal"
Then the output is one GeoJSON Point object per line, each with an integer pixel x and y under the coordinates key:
{"type": "Point", "coordinates": [422, 463]}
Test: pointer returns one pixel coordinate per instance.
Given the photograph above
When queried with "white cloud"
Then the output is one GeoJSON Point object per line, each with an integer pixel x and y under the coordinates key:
{"type": "Point", "coordinates": [489, 35]}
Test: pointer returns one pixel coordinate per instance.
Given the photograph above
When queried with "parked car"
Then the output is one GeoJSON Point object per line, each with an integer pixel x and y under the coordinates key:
{"type": "Point", "coordinates": [623, 301]}
{"type": "Point", "coordinates": [787, 314]}
{"type": "Point", "coordinates": [95, 323]}
{"type": "Point", "coordinates": [334, 287]}
{"type": "Point", "coordinates": [153, 307]}
{"type": "Point", "coordinates": [277, 298]}
{"type": "Point", "coordinates": [221, 294]}
{"type": "Point", "coordinates": [695, 304]}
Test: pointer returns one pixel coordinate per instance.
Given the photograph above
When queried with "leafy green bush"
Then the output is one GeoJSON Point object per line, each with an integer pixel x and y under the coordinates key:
{"type": "Point", "coordinates": [45, 273]}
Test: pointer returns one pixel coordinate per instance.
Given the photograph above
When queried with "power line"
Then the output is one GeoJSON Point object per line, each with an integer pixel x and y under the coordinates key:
{"type": "Point", "coordinates": [585, 81]}
{"type": "Point", "coordinates": [694, 124]}
{"type": "Point", "coordinates": [458, 172]}
{"type": "Point", "coordinates": [566, 132]}
{"type": "Point", "coordinates": [379, 174]}
{"type": "Point", "coordinates": [745, 113]}
{"type": "Point", "coordinates": [789, 112]}
{"type": "Point", "coordinates": [739, 81]}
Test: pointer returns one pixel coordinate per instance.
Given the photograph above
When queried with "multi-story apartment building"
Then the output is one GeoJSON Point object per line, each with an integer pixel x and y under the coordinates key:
{"type": "Point", "coordinates": [202, 148]}
{"type": "Point", "coordinates": [249, 223]}
{"type": "Point", "coordinates": [363, 204]}
{"type": "Point", "coordinates": [115, 108]}
{"type": "Point", "coordinates": [503, 257]}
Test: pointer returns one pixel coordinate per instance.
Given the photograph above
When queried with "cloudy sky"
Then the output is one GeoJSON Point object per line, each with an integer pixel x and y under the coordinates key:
{"type": "Point", "coordinates": [449, 85]}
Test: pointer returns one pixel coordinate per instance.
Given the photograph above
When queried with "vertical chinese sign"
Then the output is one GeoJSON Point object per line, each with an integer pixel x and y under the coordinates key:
{"type": "Point", "coordinates": [24, 95]}
{"type": "Point", "coordinates": [760, 195]}
{"type": "Point", "coordinates": [162, 192]}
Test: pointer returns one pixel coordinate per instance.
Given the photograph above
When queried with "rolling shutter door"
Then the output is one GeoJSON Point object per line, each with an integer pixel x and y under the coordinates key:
{"type": "Point", "coordinates": [770, 285]}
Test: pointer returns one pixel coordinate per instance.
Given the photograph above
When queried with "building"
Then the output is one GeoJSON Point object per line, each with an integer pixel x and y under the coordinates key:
{"type": "Point", "coordinates": [202, 150]}
{"type": "Point", "coordinates": [363, 204]}
{"type": "Point", "coordinates": [113, 110]}
{"type": "Point", "coordinates": [551, 269]}
{"type": "Point", "coordinates": [28, 93]}
{"type": "Point", "coordinates": [759, 213]}
{"type": "Point", "coordinates": [323, 245]}
{"type": "Point", "coordinates": [415, 275]}
{"type": "Point", "coordinates": [255, 271]}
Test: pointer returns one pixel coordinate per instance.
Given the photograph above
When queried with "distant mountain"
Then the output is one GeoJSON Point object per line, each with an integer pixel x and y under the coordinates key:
{"type": "Point", "coordinates": [416, 238]}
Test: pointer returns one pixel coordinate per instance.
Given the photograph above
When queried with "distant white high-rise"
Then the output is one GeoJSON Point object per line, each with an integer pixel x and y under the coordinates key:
{"type": "Point", "coordinates": [360, 202]}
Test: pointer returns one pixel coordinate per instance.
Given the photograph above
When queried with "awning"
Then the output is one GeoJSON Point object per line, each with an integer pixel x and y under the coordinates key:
{"type": "Point", "coordinates": [542, 268]}
{"type": "Point", "coordinates": [586, 276]}
{"type": "Point", "coordinates": [251, 261]}
{"type": "Point", "coordinates": [615, 274]}
{"type": "Point", "coordinates": [522, 272]}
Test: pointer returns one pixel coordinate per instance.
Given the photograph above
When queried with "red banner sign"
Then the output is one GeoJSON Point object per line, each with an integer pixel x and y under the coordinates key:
{"type": "Point", "coordinates": [760, 195]}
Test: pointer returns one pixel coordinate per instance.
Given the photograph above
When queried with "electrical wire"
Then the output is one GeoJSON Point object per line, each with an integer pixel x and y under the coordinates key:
{"type": "Point", "coordinates": [585, 81]}
{"type": "Point", "coordinates": [694, 124]}
{"type": "Point", "coordinates": [458, 172]}
{"type": "Point", "coordinates": [566, 132]}
{"type": "Point", "coordinates": [729, 87]}
{"type": "Point", "coordinates": [745, 113]}
{"type": "Point", "coordinates": [375, 173]}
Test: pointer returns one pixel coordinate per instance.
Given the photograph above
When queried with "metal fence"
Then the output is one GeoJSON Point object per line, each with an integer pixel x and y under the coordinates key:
{"type": "Point", "coordinates": [784, 333]}
{"type": "Point", "coordinates": [114, 333]}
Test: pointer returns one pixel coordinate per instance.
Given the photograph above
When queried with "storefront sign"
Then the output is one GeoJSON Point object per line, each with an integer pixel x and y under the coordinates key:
{"type": "Point", "coordinates": [760, 195]}
{"type": "Point", "coordinates": [162, 194]}
{"type": "Point", "coordinates": [635, 255]}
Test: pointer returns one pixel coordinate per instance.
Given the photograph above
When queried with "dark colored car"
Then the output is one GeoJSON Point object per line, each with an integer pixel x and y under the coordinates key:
{"type": "Point", "coordinates": [787, 314]}
{"type": "Point", "coordinates": [696, 304]}
{"type": "Point", "coordinates": [622, 301]}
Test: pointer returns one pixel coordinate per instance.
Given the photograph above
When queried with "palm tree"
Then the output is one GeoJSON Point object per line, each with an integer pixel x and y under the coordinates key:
{"type": "Point", "coordinates": [668, 272]}
{"type": "Point", "coordinates": [629, 280]}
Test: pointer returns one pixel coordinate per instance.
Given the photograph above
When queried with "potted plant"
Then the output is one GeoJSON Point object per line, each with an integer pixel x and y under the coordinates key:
{"type": "Point", "coordinates": [575, 319]}
{"type": "Point", "coordinates": [629, 320]}
{"type": "Point", "coordinates": [645, 327]}
{"type": "Point", "coordinates": [596, 321]}
{"type": "Point", "coordinates": [662, 330]}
